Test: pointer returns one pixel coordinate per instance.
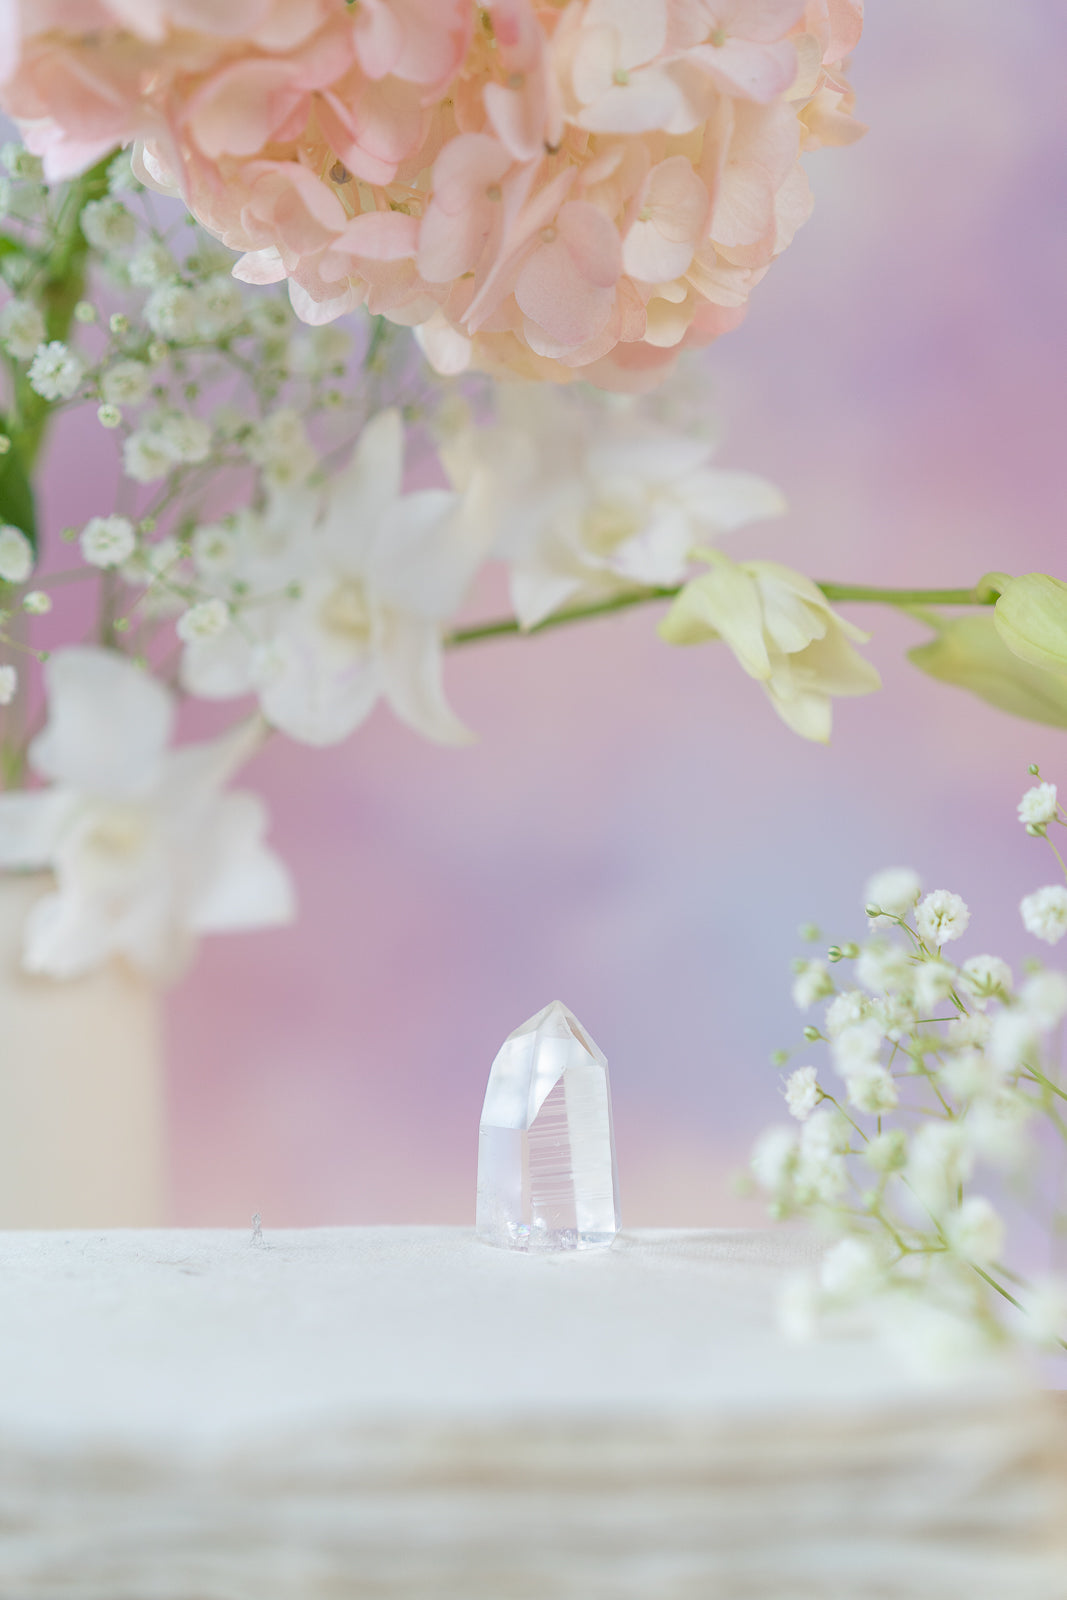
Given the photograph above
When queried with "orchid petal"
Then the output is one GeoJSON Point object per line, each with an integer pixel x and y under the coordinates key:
{"type": "Point", "coordinates": [109, 723]}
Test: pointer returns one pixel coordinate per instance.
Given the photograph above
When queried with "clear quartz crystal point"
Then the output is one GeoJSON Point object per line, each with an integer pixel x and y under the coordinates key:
{"type": "Point", "coordinates": [547, 1178]}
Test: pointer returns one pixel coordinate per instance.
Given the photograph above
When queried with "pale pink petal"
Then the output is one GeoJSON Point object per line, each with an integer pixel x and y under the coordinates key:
{"type": "Point", "coordinates": [379, 235]}
{"type": "Point", "coordinates": [649, 101]}
{"type": "Point", "coordinates": [763, 21]}
{"type": "Point", "coordinates": [260, 266]}
{"type": "Point", "coordinates": [744, 208]}
{"type": "Point", "coordinates": [555, 295]}
{"type": "Point", "coordinates": [316, 313]}
{"type": "Point", "coordinates": [466, 166]}
{"type": "Point", "coordinates": [379, 37]}
{"type": "Point", "coordinates": [592, 240]}
{"type": "Point", "coordinates": [238, 110]}
{"type": "Point", "coordinates": [446, 348]}
{"type": "Point", "coordinates": [640, 27]}
{"type": "Point", "coordinates": [671, 219]}
{"type": "Point", "coordinates": [753, 71]}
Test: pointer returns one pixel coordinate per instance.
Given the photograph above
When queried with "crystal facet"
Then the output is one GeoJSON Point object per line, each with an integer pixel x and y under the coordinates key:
{"type": "Point", "coordinates": [547, 1178]}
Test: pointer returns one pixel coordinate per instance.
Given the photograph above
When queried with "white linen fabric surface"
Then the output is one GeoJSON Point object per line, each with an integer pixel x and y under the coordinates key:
{"type": "Point", "coordinates": [383, 1413]}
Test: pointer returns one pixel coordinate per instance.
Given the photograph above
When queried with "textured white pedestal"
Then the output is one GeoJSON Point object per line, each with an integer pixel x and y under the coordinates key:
{"type": "Point", "coordinates": [381, 1413]}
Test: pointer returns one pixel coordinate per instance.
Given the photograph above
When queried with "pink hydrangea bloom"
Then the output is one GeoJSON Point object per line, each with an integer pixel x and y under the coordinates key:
{"type": "Point", "coordinates": [540, 188]}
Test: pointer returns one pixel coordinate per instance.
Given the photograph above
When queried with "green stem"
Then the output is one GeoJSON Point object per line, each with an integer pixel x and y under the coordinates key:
{"type": "Point", "coordinates": [63, 285]}
{"type": "Point", "coordinates": [999, 1287]}
{"type": "Point", "coordinates": [905, 598]}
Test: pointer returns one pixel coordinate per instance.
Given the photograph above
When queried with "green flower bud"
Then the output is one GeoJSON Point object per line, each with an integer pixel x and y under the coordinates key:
{"type": "Point", "coordinates": [970, 653]}
{"type": "Point", "coordinates": [779, 1058]}
{"type": "Point", "coordinates": [811, 1033]}
{"type": "Point", "coordinates": [1031, 618]}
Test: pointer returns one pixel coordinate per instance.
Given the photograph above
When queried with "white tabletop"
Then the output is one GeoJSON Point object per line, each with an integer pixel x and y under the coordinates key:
{"type": "Point", "coordinates": [206, 1337]}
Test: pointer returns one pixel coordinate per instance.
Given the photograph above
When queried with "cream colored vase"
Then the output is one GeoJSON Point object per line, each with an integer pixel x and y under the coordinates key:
{"type": "Point", "coordinates": [82, 1102]}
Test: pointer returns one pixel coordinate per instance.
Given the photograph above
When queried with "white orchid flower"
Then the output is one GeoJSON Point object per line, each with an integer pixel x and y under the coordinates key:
{"type": "Point", "coordinates": [589, 501]}
{"type": "Point", "coordinates": [381, 572]}
{"type": "Point", "coordinates": [782, 630]}
{"type": "Point", "coordinates": [147, 850]}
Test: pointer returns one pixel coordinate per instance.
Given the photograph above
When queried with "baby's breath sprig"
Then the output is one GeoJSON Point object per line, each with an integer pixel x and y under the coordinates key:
{"type": "Point", "coordinates": [940, 1073]}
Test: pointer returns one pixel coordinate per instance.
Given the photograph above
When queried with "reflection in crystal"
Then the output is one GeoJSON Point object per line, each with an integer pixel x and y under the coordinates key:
{"type": "Point", "coordinates": [547, 1178]}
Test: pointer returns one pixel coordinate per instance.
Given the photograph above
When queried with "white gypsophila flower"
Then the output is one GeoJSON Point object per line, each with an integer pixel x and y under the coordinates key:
{"type": "Point", "coordinates": [206, 620]}
{"type": "Point", "coordinates": [1037, 807]}
{"type": "Point", "coordinates": [121, 178]}
{"type": "Point", "coordinates": [1012, 1037]}
{"type": "Point", "coordinates": [148, 847]}
{"type": "Point", "coordinates": [109, 416]}
{"type": "Point", "coordinates": [986, 978]}
{"type": "Point", "coordinates": [280, 447]}
{"type": "Point", "coordinates": [933, 982]}
{"type": "Point", "coordinates": [773, 1158]}
{"type": "Point", "coordinates": [108, 225]}
{"type": "Point", "coordinates": [881, 967]}
{"type": "Point", "coordinates": [146, 457]}
{"type": "Point", "coordinates": [894, 889]}
{"type": "Point", "coordinates": [1045, 1303]}
{"type": "Point", "coordinates": [150, 562]}
{"type": "Point", "coordinates": [187, 439]}
{"type": "Point", "coordinates": [936, 1341]}
{"type": "Point", "coordinates": [37, 603]}
{"type": "Point", "coordinates": [996, 1130]}
{"type": "Point", "coordinates": [894, 1015]}
{"type": "Point", "coordinates": [126, 383]}
{"type": "Point", "coordinates": [216, 549]}
{"type": "Point", "coordinates": [320, 350]}
{"type": "Point", "coordinates": [152, 265]}
{"type": "Point", "coordinates": [871, 1089]}
{"type": "Point", "coordinates": [976, 1231]}
{"type": "Point", "coordinates": [220, 306]}
{"type": "Point", "coordinates": [1044, 913]}
{"type": "Point", "coordinates": [852, 1268]}
{"type": "Point", "coordinates": [941, 917]}
{"type": "Point", "coordinates": [229, 421]}
{"type": "Point", "coordinates": [821, 1175]}
{"type": "Point", "coordinates": [1044, 999]}
{"type": "Point", "coordinates": [171, 312]}
{"type": "Point", "coordinates": [887, 1152]}
{"type": "Point", "coordinates": [108, 541]}
{"type": "Point", "coordinates": [970, 1032]}
{"type": "Point", "coordinates": [846, 1009]}
{"type": "Point", "coordinates": [21, 328]}
{"type": "Point", "coordinates": [938, 1162]}
{"type": "Point", "coordinates": [971, 1075]}
{"type": "Point", "coordinates": [802, 1093]}
{"type": "Point", "coordinates": [55, 371]}
{"type": "Point", "coordinates": [21, 163]}
{"type": "Point", "coordinates": [16, 555]}
{"type": "Point", "coordinates": [813, 982]}
{"type": "Point", "coordinates": [9, 682]}
{"type": "Point", "coordinates": [155, 569]}
{"type": "Point", "coordinates": [856, 1047]}
{"type": "Point", "coordinates": [269, 317]}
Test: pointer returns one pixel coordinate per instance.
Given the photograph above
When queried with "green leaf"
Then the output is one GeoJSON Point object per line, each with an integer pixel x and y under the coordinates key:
{"type": "Point", "coordinates": [16, 493]}
{"type": "Point", "coordinates": [970, 653]}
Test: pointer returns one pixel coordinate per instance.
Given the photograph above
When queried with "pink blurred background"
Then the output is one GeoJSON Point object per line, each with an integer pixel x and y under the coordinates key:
{"type": "Point", "coordinates": [636, 833]}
